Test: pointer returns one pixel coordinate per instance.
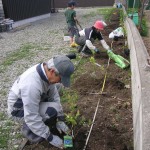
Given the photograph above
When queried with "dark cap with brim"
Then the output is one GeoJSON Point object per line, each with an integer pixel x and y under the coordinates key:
{"type": "Point", "coordinates": [65, 68]}
{"type": "Point", "coordinates": [71, 3]}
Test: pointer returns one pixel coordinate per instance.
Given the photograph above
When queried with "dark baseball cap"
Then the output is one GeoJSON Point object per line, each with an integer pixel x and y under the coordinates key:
{"type": "Point", "coordinates": [65, 68]}
{"type": "Point", "coordinates": [71, 3]}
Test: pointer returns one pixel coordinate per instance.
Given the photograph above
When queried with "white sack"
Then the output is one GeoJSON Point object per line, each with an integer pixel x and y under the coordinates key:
{"type": "Point", "coordinates": [118, 32]}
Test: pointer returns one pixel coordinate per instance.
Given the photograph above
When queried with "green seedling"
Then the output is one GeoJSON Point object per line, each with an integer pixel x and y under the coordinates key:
{"type": "Point", "coordinates": [106, 12]}
{"type": "Point", "coordinates": [118, 117]}
{"type": "Point", "coordinates": [93, 61]}
{"type": "Point", "coordinates": [113, 109]}
{"type": "Point", "coordinates": [71, 118]}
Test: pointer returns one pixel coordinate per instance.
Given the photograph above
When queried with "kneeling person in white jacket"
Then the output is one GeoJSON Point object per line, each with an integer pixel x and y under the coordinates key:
{"type": "Point", "coordinates": [86, 37]}
{"type": "Point", "coordinates": [34, 99]}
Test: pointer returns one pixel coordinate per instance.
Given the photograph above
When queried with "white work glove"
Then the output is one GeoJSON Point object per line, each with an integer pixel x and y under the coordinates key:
{"type": "Point", "coordinates": [57, 142]}
{"type": "Point", "coordinates": [62, 127]}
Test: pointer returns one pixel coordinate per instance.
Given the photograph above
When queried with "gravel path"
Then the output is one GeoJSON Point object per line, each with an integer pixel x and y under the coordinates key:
{"type": "Point", "coordinates": [44, 39]}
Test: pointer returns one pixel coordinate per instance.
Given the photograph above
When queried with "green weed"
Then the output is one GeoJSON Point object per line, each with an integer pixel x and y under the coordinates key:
{"type": "Point", "coordinates": [5, 128]}
{"type": "Point", "coordinates": [5, 133]}
{"type": "Point", "coordinates": [132, 10]}
{"type": "Point", "coordinates": [78, 62]}
{"type": "Point", "coordinates": [53, 32]}
{"type": "Point", "coordinates": [113, 109]}
{"type": "Point", "coordinates": [3, 92]}
{"type": "Point", "coordinates": [144, 26]}
{"type": "Point", "coordinates": [73, 117]}
{"type": "Point", "coordinates": [2, 116]}
{"type": "Point", "coordinates": [106, 12]}
{"type": "Point", "coordinates": [91, 14]}
{"type": "Point", "coordinates": [18, 136]}
{"type": "Point", "coordinates": [23, 52]}
{"type": "Point", "coordinates": [69, 96]}
{"type": "Point", "coordinates": [144, 30]}
{"type": "Point", "coordinates": [118, 117]}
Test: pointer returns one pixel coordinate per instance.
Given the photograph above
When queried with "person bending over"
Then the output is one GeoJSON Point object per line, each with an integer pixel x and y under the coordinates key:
{"type": "Point", "coordinates": [86, 37]}
{"type": "Point", "coordinates": [34, 100]}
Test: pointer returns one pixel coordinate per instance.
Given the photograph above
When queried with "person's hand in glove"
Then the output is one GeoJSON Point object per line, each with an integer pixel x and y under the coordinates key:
{"type": "Point", "coordinates": [62, 127]}
{"type": "Point", "coordinates": [56, 141]}
{"type": "Point", "coordinates": [109, 50]}
{"type": "Point", "coordinates": [97, 51]}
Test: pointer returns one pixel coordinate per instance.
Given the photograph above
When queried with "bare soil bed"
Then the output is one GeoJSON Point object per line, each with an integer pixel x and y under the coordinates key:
{"type": "Point", "coordinates": [146, 41]}
{"type": "Point", "coordinates": [112, 129]}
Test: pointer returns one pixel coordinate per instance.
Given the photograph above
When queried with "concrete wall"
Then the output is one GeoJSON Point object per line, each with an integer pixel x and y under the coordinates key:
{"type": "Point", "coordinates": [140, 69]}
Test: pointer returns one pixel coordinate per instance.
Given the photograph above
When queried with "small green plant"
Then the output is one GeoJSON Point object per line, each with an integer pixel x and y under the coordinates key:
{"type": "Point", "coordinates": [91, 14]}
{"type": "Point", "coordinates": [122, 17]}
{"type": "Point", "coordinates": [24, 51]}
{"type": "Point", "coordinates": [6, 136]}
{"type": "Point", "coordinates": [118, 117]}
{"type": "Point", "coordinates": [69, 96]}
{"type": "Point", "coordinates": [78, 62]}
{"type": "Point", "coordinates": [5, 128]}
{"type": "Point", "coordinates": [113, 109]}
{"type": "Point", "coordinates": [2, 116]}
{"type": "Point", "coordinates": [21, 53]}
{"type": "Point", "coordinates": [93, 61]}
{"type": "Point", "coordinates": [144, 30]}
{"type": "Point", "coordinates": [3, 92]}
{"type": "Point", "coordinates": [132, 10]}
{"type": "Point", "coordinates": [53, 31]}
{"type": "Point", "coordinates": [106, 12]}
{"type": "Point", "coordinates": [73, 117]}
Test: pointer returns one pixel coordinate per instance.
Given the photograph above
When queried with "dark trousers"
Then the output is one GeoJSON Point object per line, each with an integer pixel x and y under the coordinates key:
{"type": "Point", "coordinates": [81, 41]}
{"type": "Point", "coordinates": [32, 137]}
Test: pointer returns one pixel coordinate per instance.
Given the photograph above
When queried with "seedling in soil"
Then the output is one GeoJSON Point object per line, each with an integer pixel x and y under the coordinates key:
{"type": "Point", "coordinates": [68, 140]}
{"type": "Point", "coordinates": [118, 117]}
{"type": "Point", "coordinates": [73, 118]}
{"type": "Point", "coordinates": [71, 98]}
{"type": "Point", "coordinates": [113, 109]}
{"type": "Point", "coordinates": [93, 61]}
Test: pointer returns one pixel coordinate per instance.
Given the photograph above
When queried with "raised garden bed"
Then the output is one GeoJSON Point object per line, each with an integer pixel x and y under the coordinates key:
{"type": "Point", "coordinates": [112, 129]}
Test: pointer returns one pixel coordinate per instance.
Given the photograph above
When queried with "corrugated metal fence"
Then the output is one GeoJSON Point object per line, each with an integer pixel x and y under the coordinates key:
{"type": "Point", "coordinates": [84, 3]}
{"type": "Point", "coordinates": [23, 9]}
